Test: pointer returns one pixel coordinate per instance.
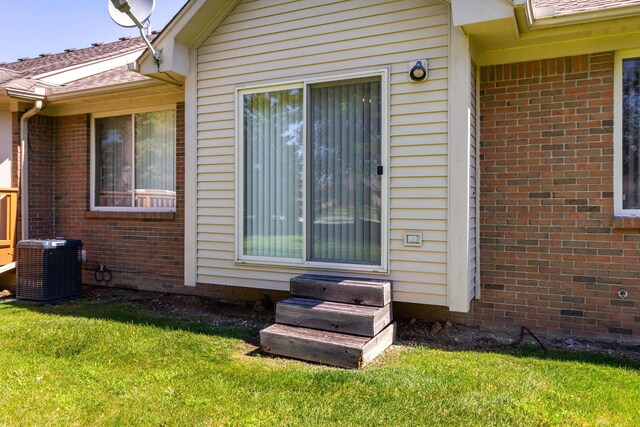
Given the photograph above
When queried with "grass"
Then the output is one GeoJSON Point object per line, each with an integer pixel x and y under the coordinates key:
{"type": "Point", "coordinates": [83, 363]}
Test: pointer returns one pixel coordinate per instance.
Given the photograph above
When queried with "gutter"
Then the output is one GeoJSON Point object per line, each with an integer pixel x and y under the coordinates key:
{"type": "Point", "coordinates": [39, 98]}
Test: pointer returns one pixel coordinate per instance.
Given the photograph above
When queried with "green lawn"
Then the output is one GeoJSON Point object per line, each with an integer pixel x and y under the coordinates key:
{"type": "Point", "coordinates": [83, 363]}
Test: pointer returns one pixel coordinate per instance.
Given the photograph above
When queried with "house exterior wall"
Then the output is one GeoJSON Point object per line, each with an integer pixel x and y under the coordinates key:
{"type": "Point", "coordinates": [143, 250]}
{"type": "Point", "coordinates": [553, 256]}
{"type": "Point", "coordinates": [264, 42]}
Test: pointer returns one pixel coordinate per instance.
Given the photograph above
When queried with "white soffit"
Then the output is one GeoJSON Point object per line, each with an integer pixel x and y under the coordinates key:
{"type": "Point", "coordinates": [467, 12]}
{"type": "Point", "coordinates": [81, 71]}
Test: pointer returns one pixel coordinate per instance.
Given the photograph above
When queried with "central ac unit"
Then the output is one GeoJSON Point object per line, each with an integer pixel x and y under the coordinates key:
{"type": "Point", "coordinates": [49, 270]}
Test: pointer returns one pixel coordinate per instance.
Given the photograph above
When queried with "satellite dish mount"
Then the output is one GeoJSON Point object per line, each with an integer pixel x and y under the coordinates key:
{"type": "Point", "coordinates": [135, 13]}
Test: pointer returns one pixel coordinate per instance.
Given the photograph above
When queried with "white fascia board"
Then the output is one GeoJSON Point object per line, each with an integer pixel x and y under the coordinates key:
{"type": "Point", "coordinates": [81, 71]}
{"type": "Point", "coordinates": [187, 30]}
{"type": "Point", "coordinates": [466, 12]}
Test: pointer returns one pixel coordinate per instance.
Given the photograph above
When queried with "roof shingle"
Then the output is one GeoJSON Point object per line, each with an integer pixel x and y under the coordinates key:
{"type": "Point", "coordinates": [20, 74]}
{"type": "Point", "coordinates": [566, 7]}
{"type": "Point", "coordinates": [51, 62]}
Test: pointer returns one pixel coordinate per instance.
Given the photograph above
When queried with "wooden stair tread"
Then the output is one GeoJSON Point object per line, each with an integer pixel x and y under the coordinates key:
{"type": "Point", "coordinates": [325, 337]}
{"type": "Point", "coordinates": [340, 307]}
{"type": "Point", "coordinates": [330, 348]}
{"type": "Point", "coordinates": [349, 280]}
{"type": "Point", "coordinates": [333, 316]}
{"type": "Point", "coordinates": [342, 289]}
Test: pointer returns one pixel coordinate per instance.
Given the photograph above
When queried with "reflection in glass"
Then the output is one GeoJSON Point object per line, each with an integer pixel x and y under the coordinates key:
{"type": "Point", "coordinates": [344, 121]}
{"type": "Point", "coordinates": [114, 183]}
{"type": "Point", "coordinates": [273, 172]}
{"type": "Point", "coordinates": [155, 158]}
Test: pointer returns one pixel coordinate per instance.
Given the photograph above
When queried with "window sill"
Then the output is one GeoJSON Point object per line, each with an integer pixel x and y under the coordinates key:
{"type": "Point", "coordinates": [626, 222]}
{"type": "Point", "coordinates": [158, 216]}
{"type": "Point", "coordinates": [343, 268]}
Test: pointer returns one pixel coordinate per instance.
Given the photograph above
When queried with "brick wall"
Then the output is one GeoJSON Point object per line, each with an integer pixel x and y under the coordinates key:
{"type": "Point", "coordinates": [552, 256]}
{"type": "Point", "coordinates": [41, 174]}
{"type": "Point", "coordinates": [143, 251]}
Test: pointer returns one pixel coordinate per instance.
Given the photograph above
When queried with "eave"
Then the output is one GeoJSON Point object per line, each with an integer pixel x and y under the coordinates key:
{"type": "Point", "coordinates": [188, 29]}
{"type": "Point", "coordinates": [114, 97]}
{"type": "Point", "coordinates": [500, 42]}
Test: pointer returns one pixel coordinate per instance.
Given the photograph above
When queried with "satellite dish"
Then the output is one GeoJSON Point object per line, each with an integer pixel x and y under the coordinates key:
{"type": "Point", "coordinates": [140, 9]}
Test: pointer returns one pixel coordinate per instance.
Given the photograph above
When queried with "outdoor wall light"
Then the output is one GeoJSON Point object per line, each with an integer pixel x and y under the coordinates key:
{"type": "Point", "coordinates": [418, 71]}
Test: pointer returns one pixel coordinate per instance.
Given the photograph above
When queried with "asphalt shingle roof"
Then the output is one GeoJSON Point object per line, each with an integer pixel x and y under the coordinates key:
{"type": "Point", "coordinates": [7, 75]}
{"type": "Point", "coordinates": [50, 62]}
{"type": "Point", "coordinates": [19, 74]}
{"type": "Point", "coordinates": [111, 77]}
{"type": "Point", "coordinates": [566, 7]}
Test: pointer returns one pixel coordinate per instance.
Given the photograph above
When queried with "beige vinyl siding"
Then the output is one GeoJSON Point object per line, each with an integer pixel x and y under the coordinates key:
{"type": "Point", "coordinates": [473, 198]}
{"type": "Point", "coordinates": [267, 41]}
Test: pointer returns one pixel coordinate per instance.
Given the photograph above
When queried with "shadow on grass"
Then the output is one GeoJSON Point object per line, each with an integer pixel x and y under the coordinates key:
{"type": "Point", "coordinates": [120, 311]}
{"type": "Point", "coordinates": [590, 357]}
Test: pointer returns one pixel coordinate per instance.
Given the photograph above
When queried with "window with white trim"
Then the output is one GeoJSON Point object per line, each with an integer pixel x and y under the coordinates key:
{"type": "Point", "coordinates": [311, 169]}
{"type": "Point", "coordinates": [133, 161]}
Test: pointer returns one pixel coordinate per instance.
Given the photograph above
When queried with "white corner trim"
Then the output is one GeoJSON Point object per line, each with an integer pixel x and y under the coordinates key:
{"type": "Point", "coordinates": [190, 175]}
{"type": "Point", "coordinates": [81, 71]}
{"type": "Point", "coordinates": [459, 170]}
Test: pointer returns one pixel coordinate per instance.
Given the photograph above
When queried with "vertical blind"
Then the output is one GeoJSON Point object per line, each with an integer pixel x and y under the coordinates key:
{"type": "Point", "coordinates": [114, 152]}
{"type": "Point", "coordinates": [155, 135]}
{"type": "Point", "coordinates": [345, 187]}
{"type": "Point", "coordinates": [273, 149]}
{"type": "Point", "coordinates": [631, 134]}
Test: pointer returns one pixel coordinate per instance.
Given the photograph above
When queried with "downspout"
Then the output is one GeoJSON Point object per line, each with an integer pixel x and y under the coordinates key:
{"type": "Point", "coordinates": [24, 167]}
{"type": "Point", "coordinates": [38, 96]}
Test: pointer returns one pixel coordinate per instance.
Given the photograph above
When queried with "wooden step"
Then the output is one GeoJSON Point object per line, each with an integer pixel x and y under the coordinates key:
{"type": "Point", "coordinates": [340, 289]}
{"type": "Point", "coordinates": [329, 348]}
{"type": "Point", "coordinates": [333, 316]}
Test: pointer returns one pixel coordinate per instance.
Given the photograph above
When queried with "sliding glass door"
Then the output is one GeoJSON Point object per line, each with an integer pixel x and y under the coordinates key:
{"type": "Point", "coordinates": [311, 189]}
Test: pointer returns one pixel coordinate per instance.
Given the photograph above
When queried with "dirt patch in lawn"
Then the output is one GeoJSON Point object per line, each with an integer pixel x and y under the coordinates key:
{"type": "Point", "coordinates": [448, 336]}
{"type": "Point", "coordinates": [451, 336]}
{"type": "Point", "coordinates": [167, 304]}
